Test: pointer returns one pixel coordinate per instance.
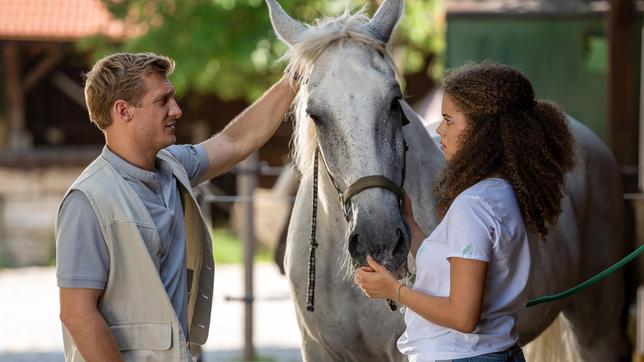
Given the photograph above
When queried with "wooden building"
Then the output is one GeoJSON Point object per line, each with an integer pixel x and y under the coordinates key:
{"type": "Point", "coordinates": [583, 54]}
{"type": "Point", "coordinates": [45, 134]}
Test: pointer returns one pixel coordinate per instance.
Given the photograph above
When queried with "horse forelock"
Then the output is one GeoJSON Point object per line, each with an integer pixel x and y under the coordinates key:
{"type": "Point", "coordinates": [348, 28]}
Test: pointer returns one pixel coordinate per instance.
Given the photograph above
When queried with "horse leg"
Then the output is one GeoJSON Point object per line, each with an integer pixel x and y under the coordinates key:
{"type": "Point", "coordinates": [595, 320]}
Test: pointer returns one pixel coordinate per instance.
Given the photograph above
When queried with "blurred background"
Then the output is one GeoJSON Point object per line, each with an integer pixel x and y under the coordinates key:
{"type": "Point", "coordinates": [583, 54]}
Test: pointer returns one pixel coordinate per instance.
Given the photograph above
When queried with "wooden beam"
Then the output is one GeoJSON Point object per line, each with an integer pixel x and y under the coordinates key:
{"type": "Point", "coordinates": [52, 59]}
{"type": "Point", "coordinates": [622, 82]}
{"type": "Point", "coordinates": [16, 137]}
{"type": "Point", "coordinates": [70, 88]}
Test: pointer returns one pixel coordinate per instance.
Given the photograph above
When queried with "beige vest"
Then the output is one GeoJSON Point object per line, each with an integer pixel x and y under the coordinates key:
{"type": "Point", "coordinates": [135, 303]}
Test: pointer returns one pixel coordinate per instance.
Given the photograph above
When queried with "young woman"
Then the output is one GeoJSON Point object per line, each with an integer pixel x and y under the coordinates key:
{"type": "Point", "coordinates": [507, 154]}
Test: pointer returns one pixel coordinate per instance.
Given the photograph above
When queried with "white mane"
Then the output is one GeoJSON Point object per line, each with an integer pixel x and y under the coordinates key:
{"type": "Point", "coordinates": [346, 28]}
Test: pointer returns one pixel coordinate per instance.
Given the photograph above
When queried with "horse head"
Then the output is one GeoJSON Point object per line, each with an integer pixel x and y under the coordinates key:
{"type": "Point", "coordinates": [348, 110]}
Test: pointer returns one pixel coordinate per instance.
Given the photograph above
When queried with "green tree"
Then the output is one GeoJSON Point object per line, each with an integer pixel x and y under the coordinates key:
{"type": "Point", "coordinates": [228, 48]}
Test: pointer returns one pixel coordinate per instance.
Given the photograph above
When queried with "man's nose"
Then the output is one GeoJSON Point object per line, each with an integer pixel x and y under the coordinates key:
{"type": "Point", "coordinates": [175, 111]}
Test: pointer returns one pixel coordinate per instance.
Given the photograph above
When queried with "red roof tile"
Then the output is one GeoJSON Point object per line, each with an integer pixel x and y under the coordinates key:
{"type": "Point", "coordinates": [57, 20]}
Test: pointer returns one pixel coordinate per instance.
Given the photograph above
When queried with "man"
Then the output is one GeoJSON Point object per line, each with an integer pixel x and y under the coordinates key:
{"type": "Point", "coordinates": [134, 260]}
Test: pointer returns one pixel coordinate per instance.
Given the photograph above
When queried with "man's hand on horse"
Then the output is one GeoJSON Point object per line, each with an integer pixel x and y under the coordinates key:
{"type": "Point", "coordinates": [376, 281]}
{"type": "Point", "coordinates": [293, 77]}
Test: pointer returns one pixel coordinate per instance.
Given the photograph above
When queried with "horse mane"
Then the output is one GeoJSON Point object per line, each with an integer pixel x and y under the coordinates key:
{"type": "Point", "coordinates": [346, 28]}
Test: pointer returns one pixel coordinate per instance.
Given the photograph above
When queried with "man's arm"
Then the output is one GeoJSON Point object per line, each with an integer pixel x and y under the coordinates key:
{"type": "Point", "coordinates": [249, 130]}
{"type": "Point", "coordinates": [79, 313]}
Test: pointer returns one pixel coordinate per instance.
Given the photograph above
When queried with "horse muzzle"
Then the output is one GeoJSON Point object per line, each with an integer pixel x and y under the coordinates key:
{"type": "Point", "coordinates": [387, 242]}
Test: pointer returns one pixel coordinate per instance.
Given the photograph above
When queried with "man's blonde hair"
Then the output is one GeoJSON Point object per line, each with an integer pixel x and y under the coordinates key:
{"type": "Point", "coordinates": [120, 76]}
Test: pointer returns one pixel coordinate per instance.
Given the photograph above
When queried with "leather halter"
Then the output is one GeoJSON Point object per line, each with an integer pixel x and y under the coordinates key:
{"type": "Point", "coordinates": [363, 183]}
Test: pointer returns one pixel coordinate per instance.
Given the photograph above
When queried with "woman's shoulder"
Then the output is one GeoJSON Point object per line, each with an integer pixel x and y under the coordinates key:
{"type": "Point", "coordinates": [492, 194]}
{"type": "Point", "coordinates": [488, 188]}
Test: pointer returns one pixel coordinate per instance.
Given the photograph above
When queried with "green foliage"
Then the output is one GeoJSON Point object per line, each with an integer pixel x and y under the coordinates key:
{"type": "Point", "coordinates": [228, 48]}
{"type": "Point", "coordinates": [227, 248]}
{"type": "Point", "coordinates": [423, 32]}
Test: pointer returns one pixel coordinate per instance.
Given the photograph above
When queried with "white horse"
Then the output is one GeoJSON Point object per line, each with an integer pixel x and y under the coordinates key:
{"type": "Point", "coordinates": [348, 108]}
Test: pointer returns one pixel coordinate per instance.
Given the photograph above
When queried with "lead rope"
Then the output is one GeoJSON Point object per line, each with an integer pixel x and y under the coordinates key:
{"type": "Point", "coordinates": [310, 294]}
{"type": "Point", "coordinates": [393, 306]}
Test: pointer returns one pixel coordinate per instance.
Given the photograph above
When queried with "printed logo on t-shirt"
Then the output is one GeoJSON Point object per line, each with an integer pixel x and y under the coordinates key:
{"type": "Point", "coordinates": [468, 250]}
{"type": "Point", "coordinates": [422, 248]}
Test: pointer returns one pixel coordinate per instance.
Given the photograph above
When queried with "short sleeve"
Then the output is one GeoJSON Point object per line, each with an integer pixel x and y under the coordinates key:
{"type": "Point", "coordinates": [471, 229]}
{"type": "Point", "coordinates": [82, 258]}
{"type": "Point", "coordinates": [194, 159]}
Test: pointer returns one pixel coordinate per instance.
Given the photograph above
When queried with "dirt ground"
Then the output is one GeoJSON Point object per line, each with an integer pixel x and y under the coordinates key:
{"type": "Point", "coordinates": [30, 329]}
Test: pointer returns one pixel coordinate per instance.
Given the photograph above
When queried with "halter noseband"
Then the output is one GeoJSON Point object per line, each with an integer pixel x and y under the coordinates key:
{"type": "Point", "coordinates": [369, 182]}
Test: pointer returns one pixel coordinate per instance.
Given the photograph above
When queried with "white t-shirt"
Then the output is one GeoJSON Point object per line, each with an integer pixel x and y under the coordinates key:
{"type": "Point", "coordinates": [483, 223]}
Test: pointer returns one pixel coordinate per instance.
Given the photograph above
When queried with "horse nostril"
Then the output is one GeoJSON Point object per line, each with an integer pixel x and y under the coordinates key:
{"type": "Point", "coordinates": [401, 243]}
{"type": "Point", "coordinates": [354, 245]}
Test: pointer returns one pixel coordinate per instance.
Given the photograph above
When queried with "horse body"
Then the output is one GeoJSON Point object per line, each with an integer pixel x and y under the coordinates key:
{"type": "Point", "coordinates": [347, 111]}
{"type": "Point", "coordinates": [587, 239]}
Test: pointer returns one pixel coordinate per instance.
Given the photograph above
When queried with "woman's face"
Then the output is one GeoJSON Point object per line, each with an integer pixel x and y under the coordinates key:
{"type": "Point", "coordinates": [451, 128]}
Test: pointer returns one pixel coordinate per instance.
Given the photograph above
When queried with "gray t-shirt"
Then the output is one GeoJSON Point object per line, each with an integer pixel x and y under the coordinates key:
{"type": "Point", "coordinates": [82, 258]}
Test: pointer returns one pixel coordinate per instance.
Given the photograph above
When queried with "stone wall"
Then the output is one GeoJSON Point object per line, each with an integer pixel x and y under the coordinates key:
{"type": "Point", "coordinates": [29, 200]}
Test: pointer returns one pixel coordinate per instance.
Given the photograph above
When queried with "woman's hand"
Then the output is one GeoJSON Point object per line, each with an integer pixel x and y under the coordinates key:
{"type": "Point", "coordinates": [376, 281]}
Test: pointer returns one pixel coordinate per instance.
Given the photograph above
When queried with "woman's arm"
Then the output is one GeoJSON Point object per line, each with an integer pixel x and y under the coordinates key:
{"type": "Point", "coordinates": [460, 311]}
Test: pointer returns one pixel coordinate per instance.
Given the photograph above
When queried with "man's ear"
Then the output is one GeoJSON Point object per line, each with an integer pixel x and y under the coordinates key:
{"type": "Point", "coordinates": [121, 111]}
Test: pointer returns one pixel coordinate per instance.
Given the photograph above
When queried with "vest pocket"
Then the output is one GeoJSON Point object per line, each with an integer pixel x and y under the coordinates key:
{"type": "Point", "coordinates": [156, 336]}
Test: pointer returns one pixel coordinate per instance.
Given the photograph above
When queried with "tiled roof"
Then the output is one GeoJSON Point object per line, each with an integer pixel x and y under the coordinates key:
{"type": "Point", "coordinates": [56, 20]}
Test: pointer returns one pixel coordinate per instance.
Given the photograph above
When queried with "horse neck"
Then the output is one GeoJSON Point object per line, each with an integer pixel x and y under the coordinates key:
{"type": "Point", "coordinates": [424, 162]}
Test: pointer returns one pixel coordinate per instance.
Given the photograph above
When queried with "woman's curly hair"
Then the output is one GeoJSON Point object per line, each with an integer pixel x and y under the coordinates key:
{"type": "Point", "coordinates": [510, 133]}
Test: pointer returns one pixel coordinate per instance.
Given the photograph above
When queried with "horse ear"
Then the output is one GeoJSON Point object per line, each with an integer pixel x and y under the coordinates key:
{"type": "Point", "coordinates": [286, 28]}
{"type": "Point", "coordinates": [383, 22]}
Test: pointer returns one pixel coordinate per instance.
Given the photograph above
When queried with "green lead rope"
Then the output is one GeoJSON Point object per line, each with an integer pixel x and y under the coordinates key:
{"type": "Point", "coordinates": [589, 282]}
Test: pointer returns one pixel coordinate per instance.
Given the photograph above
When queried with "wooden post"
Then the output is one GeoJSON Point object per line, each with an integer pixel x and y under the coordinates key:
{"type": "Point", "coordinates": [52, 58]}
{"type": "Point", "coordinates": [17, 138]}
{"type": "Point", "coordinates": [246, 184]}
{"type": "Point", "coordinates": [638, 355]}
{"type": "Point", "coordinates": [640, 182]}
{"type": "Point", "coordinates": [622, 82]}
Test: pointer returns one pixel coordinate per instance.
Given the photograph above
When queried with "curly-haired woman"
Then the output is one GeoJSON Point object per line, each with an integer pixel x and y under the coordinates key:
{"type": "Point", "coordinates": [507, 155]}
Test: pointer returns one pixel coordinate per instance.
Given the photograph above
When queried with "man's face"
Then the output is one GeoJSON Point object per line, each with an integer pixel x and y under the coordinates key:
{"type": "Point", "coordinates": [155, 117]}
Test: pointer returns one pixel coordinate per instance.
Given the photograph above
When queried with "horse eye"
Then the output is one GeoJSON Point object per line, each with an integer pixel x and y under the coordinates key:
{"type": "Point", "coordinates": [395, 104]}
{"type": "Point", "coordinates": [315, 118]}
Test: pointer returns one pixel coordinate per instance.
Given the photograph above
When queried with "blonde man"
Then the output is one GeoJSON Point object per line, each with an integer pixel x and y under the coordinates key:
{"type": "Point", "coordinates": [134, 260]}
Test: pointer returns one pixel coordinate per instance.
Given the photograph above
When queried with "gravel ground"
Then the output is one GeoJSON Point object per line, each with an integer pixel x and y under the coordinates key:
{"type": "Point", "coordinates": [30, 329]}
